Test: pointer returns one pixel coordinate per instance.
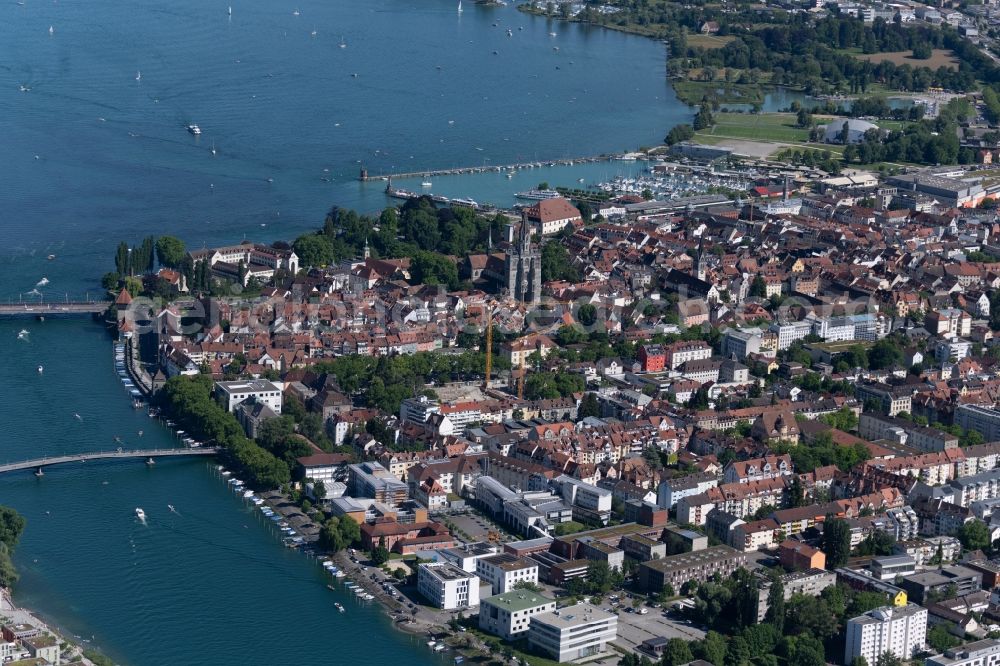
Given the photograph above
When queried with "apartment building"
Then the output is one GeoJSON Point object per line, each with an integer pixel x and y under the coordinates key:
{"type": "Point", "coordinates": [370, 479]}
{"type": "Point", "coordinates": [978, 653]}
{"type": "Point", "coordinates": [447, 587]}
{"type": "Point", "coordinates": [901, 631]}
{"type": "Point", "coordinates": [509, 615]}
{"type": "Point", "coordinates": [504, 571]}
{"type": "Point", "coordinates": [573, 632]}
{"type": "Point", "coordinates": [231, 394]}
{"type": "Point", "coordinates": [984, 420]}
{"type": "Point", "coordinates": [873, 427]}
{"type": "Point", "coordinates": [675, 570]}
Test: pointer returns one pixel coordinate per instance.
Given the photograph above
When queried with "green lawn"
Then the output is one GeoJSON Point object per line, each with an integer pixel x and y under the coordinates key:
{"type": "Point", "coordinates": [773, 127]}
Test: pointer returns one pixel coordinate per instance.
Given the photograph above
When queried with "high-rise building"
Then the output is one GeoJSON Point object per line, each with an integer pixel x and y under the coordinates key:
{"type": "Point", "coordinates": [901, 631]}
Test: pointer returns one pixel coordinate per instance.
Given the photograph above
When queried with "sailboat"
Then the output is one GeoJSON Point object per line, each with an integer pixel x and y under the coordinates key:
{"type": "Point", "coordinates": [213, 146]}
{"type": "Point", "coordinates": [138, 75]}
{"type": "Point", "coordinates": [230, 10]}
{"type": "Point", "coordinates": [459, 6]}
{"type": "Point", "coordinates": [343, 44]}
{"type": "Point", "coordinates": [51, 30]}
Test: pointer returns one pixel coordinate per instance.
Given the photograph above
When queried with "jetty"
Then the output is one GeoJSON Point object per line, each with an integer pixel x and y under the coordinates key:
{"type": "Point", "coordinates": [459, 171]}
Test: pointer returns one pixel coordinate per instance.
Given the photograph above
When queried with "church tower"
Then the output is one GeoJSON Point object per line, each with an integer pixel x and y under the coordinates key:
{"type": "Point", "coordinates": [524, 266]}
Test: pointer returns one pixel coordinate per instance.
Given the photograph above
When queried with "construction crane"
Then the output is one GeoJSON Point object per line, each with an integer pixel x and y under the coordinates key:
{"type": "Point", "coordinates": [489, 347]}
{"type": "Point", "coordinates": [520, 380]}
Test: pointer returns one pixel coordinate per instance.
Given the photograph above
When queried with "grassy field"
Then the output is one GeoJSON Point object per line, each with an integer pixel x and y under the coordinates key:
{"type": "Point", "coordinates": [692, 92]}
{"type": "Point", "coordinates": [774, 127]}
{"type": "Point", "coordinates": [939, 58]}
{"type": "Point", "coordinates": [708, 41]}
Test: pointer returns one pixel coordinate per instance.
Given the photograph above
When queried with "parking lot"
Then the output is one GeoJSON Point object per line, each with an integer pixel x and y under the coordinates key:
{"type": "Point", "coordinates": [476, 526]}
{"type": "Point", "coordinates": [634, 628]}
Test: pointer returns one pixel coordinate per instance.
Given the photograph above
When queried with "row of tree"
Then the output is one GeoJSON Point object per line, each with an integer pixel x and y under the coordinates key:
{"type": "Point", "coordinates": [188, 400]}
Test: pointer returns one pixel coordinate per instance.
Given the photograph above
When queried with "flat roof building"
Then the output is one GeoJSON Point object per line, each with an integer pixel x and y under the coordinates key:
{"type": "Point", "coordinates": [508, 615]}
{"type": "Point", "coordinates": [675, 570]}
{"type": "Point", "coordinates": [901, 631]}
{"type": "Point", "coordinates": [573, 632]}
{"type": "Point", "coordinates": [978, 653]}
{"type": "Point", "coordinates": [447, 587]}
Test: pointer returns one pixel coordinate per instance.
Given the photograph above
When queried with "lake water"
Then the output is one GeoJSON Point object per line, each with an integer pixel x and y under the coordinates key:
{"type": "Point", "coordinates": [93, 156]}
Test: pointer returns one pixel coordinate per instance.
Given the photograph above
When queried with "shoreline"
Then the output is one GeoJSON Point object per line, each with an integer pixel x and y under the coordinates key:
{"type": "Point", "coordinates": [21, 614]}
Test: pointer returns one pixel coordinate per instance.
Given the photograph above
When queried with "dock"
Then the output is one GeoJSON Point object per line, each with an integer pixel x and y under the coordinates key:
{"type": "Point", "coordinates": [460, 171]}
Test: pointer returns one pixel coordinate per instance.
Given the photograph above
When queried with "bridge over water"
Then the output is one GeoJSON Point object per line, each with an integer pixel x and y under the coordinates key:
{"type": "Point", "coordinates": [149, 454]}
{"type": "Point", "coordinates": [54, 309]}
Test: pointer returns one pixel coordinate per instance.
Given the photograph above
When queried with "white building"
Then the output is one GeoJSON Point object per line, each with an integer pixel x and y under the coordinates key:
{"type": "Point", "coordinates": [834, 329]}
{"type": "Point", "coordinates": [979, 653]}
{"type": "Point", "coordinates": [591, 502]}
{"type": "Point", "coordinates": [447, 587]}
{"type": "Point", "coordinates": [509, 615]}
{"type": "Point", "coordinates": [901, 631]}
{"type": "Point", "coordinates": [232, 394]}
{"type": "Point", "coordinates": [573, 632]}
{"type": "Point", "coordinates": [465, 557]}
{"type": "Point", "coordinates": [418, 410]}
{"type": "Point", "coordinates": [504, 571]}
{"type": "Point", "coordinates": [789, 332]}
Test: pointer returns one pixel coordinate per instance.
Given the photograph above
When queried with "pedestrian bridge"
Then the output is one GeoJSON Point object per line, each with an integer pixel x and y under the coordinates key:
{"type": "Point", "coordinates": [149, 454]}
{"type": "Point", "coordinates": [55, 309]}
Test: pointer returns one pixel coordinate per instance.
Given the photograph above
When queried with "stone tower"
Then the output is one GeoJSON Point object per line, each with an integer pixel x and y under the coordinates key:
{"type": "Point", "coordinates": [524, 267]}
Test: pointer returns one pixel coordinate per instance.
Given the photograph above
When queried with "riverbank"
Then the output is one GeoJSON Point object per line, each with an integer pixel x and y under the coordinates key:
{"type": "Point", "coordinates": [73, 653]}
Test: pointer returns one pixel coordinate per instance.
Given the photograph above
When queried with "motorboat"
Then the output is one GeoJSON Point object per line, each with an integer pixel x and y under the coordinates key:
{"type": "Point", "coordinates": [140, 514]}
{"type": "Point", "coordinates": [426, 183]}
{"type": "Point", "coordinates": [194, 129]}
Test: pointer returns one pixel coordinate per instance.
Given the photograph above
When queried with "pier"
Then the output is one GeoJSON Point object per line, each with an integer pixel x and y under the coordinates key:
{"type": "Point", "coordinates": [55, 309]}
{"type": "Point", "coordinates": [459, 171]}
{"type": "Point", "coordinates": [149, 454]}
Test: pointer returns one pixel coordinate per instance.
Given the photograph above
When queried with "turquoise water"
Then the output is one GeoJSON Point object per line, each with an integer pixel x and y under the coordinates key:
{"type": "Point", "coordinates": [209, 584]}
{"type": "Point", "coordinates": [114, 160]}
{"type": "Point", "coordinates": [93, 156]}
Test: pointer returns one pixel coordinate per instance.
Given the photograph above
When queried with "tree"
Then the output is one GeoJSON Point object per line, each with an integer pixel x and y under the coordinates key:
{"type": "Point", "coordinates": [887, 658]}
{"type": "Point", "coordinates": [836, 542]}
{"type": "Point", "coordinates": [974, 535]}
{"type": "Point", "coordinates": [8, 574]}
{"type": "Point", "coordinates": [589, 406]}
{"type": "Point", "coordinates": [679, 133]}
{"type": "Point", "coordinates": [587, 314]}
{"type": "Point", "coordinates": [319, 490]}
{"type": "Point", "coordinates": [883, 354]}
{"type": "Point", "coordinates": [599, 576]}
{"type": "Point", "coordinates": [313, 250]}
{"type": "Point", "coordinates": [940, 637]}
{"type": "Point", "coordinates": [775, 615]}
{"type": "Point", "coordinates": [11, 526]}
{"type": "Point", "coordinates": [758, 288]}
{"type": "Point", "coordinates": [380, 554]}
{"type": "Point", "coordinates": [350, 531]}
{"type": "Point", "coordinates": [330, 538]}
{"type": "Point", "coordinates": [677, 652]}
{"type": "Point", "coordinates": [712, 649]}
{"type": "Point", "coordinates": [169, 251]}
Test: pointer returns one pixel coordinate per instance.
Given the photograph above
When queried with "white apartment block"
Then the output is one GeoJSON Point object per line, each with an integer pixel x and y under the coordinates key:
{"type": "Point", "coordinates": [232, 394]}
{"type": "Point", "coordinates": [834, 329]}
{"type": "Point", "coordinates": [573, 632]}
{"type": "Point", "coordinates": [447, 587]}
{"type": "Point", "coordinates": [984, 420]}
{"type": "Point", "coordinates": [509, 615]}
{"type": "Point", "coordinates": [901, 631]}
{"type": "Point", "coordinates": [789, 332]}
{"type": "Point", "coordinates": [978, 653]}
{"type": "Point", "coordinates": [418, 410]}
{"type": "Point", "coordinates": [504, 571]}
